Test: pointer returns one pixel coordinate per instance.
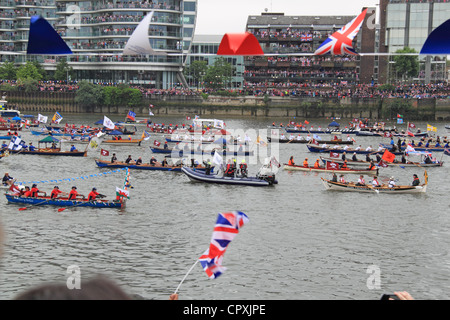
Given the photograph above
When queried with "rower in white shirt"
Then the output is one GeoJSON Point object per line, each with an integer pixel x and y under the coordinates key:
{"type": "Point", "coordinates": [358, 148]}
{"type": "Point", "coordinates": [308, 138]}
{"type": "Point", "coordinates": [291, 137]}
{"type": "Point", "coordinates": [369, 148]}
{"type": "Point", "coordinates": [283, 137]}
{"type": "Point", "coordinates": [346, 147]}
{"type": "Point", "coordinates": [300, 138]}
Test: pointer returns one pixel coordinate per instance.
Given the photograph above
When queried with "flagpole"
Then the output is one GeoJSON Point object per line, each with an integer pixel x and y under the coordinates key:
{"type": "Point", "coordinates": [186, 276]}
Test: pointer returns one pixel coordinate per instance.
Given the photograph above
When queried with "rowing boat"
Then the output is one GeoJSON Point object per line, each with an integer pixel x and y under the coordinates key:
{"type": "Point", "coordinates": [124, 141]}
{"type": "Point", "coordinates": [198, 176]}
{"type": "Point", "coordinates": [366, 163]}
{"type": "Point", "coordinates": [64, 202]}
{"type": "Point", "coordinates": [181, 152]}
{"type": "Point", "coordinates": [315, 148]}
{"type": "Point", "coordinates": [50, 152]}
{"type": "Point", "coordinates": [324, 169]}
{"type": "Point", "coordinates": [339, 141]}
{"type": "Point", "coordinates": [352, 187]}
{"type": "Point", "coordinates": [145, 166]}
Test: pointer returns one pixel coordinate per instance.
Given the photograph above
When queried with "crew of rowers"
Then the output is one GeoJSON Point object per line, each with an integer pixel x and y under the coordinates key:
{"type": "Point", "coordinates": [56, 193]}
{"type": "Point", "coordinates": [343, 165]}
{"type": "Point", "coordinates": [374, 183]}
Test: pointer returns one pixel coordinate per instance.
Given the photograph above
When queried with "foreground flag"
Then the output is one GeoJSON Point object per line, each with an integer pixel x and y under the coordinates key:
{"type": "Point", "coordinates": [145, 135]}
{"type": "Point", "coordinates": [156, 143]}
{"type": "Point", "coordinates": [431, 128]}
{"type": "Point", "coordinates": [16, 143]}
{"type": "Point", "coordinates": [332, 165]}
{"type": "Point", "coordinates": [57, 117]}
{"type": "Point", "coordinates": [341, 42]}
{"type": "Point", "coordinates": [104, 152]}
{"type": "Point", "coordinates": [334, 154]}
{"type": "Point", "coordinates": [227, 227]}
{"type": "Point", "coordinates": [410, 148]}
{"type": "Point", "coordinates": [388, 156]}
{"type": "Point", "coordinates": [121, 193]}
{"type": "Point", "coordinates": [108, 123]}
{"type": "Point", "coordinates": [131, 115]}
{"type": "Point", "coordinates": [42, 119]}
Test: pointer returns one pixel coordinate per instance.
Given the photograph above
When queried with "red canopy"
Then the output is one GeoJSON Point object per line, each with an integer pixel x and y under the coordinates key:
{"type": "Point", "coordinates": [239, 44]}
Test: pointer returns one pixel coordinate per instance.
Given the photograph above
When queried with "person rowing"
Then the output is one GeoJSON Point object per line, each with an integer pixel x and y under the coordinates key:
{"type": "Point", "coordinates": [56, 192]}
{"type": "Point", "coordinates": [73, 194]}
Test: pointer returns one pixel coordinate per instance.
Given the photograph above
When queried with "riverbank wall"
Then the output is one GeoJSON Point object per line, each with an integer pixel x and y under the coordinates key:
{"type": "Point", "coordinates": [244, 106]}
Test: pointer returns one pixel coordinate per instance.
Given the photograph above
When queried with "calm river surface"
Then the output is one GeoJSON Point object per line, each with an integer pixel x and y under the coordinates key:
{"type": "Point", "coordinates": [302, 242]}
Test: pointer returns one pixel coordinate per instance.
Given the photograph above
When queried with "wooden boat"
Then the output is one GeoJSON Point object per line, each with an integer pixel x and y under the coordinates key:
{"type": "Point", "coordinates": [324, 169]}
{"type": "Point", "coordinates": [339, 141]}
{"type": "Point", "coordinates": [64, 202]}
{"type": "Point", "coordinates": [199, 176]}
{"type": "Point", "coordinates": [145, 166]}
{"type": "Point", "coordinates": [181, 152]}
{"type": "Point", "coordinates": [4, 126]}
{"type": "Point", "coordinates": [124, 141]}
{"type": "Point", "coordinates": [366, 163]}
{"type": "Point", "coordinates": [315, 148]}
{"type": "Point", "coordinates": [327, 131]}
{"type": "Point", "coordinates": [352, 187]}
{"type": "Point", "coordinates": [421, 148]}
{"type": "Point", "coordinates": [51, 152]}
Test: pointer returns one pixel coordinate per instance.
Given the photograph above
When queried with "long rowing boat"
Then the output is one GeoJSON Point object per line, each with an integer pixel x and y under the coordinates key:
{"type": "Point", "coordinates": [145, 166]}
{"type": "Point", "coordinates": [324, 169]}
{"type": "Point", "coordinates": [339, 141]}
{"type": "Point", "coordinates": [198, 176]}
{"type": "Point", "coordinates": [352, 187]}
{"type": "Point", "coordinates": [51, 152]}
{"type": "Point", "coordinates": [64, 202]}
{"type": "Point", "coordinates": [315, 148]}
{"type": "Point", "coordinates": [181, 152]}
{"type": "Point", "coordinates": [366, 163]}
{"type": "Point", "coordinates": [124, 141]}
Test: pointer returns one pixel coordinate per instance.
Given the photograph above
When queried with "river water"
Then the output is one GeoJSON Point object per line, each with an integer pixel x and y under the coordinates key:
{"type": "Point", "coordinates": [301, 242]}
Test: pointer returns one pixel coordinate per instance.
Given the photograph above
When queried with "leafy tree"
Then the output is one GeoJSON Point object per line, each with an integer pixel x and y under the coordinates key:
{"type": "Point", "coordinates": [89, 95]}
{"type": "Point", "coordinates": [28, 71]}
{"type": "Point", "coordinates": [219, 75]}
{"type": "Point", "coordinates": [8, 71]}
{"type": "Point", "coordinates": [196, 71]}
{"type": "Point", "coordinates": [63, 70]}
{"type": "Point", "coordinates": [406, 65]}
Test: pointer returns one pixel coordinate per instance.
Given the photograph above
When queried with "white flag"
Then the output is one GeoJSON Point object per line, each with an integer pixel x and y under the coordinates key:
{"type": "Point", "coordinates": [108, 123]}
{"type": "Point", "coordinates": [151, 113]}
{"type": "Point", "coordinates": [15, 144]}
{"type": "Point", "coordinates": [94, 144]}
{"type": "Point", "coordinates": [42, 119]}
{"type": "Point", "coordinates": [217, 159]}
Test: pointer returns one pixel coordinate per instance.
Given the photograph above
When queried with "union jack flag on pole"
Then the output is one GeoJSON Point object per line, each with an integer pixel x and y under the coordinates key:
{"type": "Point", "coordinates": [226, 228]}
{"type": "Point", "coordinates": [341, 42]}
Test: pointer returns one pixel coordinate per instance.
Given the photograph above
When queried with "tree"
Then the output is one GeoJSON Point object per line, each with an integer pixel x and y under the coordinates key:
{"type": "Point", "coordinates": [406, 65]}
{"type": "Point", "coordinates": [219, 75]}
{"type": "Point", "coordinates": [196, 71]}
{"type": "Point", "coordinates": [29, 71]}
{"type": "Point", "coordinates": [8, 71]}
{"type": "Point", "coordinates": [89, 95]}
{"type": "Point", "coordinates": [63, 71]}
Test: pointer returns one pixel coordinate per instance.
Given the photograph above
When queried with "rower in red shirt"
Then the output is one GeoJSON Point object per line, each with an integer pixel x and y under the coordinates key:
{"type": "Point", "coordinates": [34, 191]}
{"type": "Point", "coordinates": [93, 194]}
{"type": "Point", "coordinates": [73, 193]}
{"type": "Point", "coordinates": [27, 192]}
{"type": "Point", "coordinates": [55, 192]}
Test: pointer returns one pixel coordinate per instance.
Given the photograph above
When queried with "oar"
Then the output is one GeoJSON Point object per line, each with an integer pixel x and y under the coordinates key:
{"type": "Point", "coordinates": [62, 209]}
{"type": "Point", "coordinates": [33, 205]}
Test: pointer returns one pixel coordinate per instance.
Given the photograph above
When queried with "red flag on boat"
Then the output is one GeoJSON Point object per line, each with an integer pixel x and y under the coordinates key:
{"type": "Point", "coordinates": [334, 154]}
{"type": "Point", "coordinates": [157, 143]}
{"type": "Point", "coordinates": [382, 164]}
{"type": "Point", "coordinates": [332, 165]}
{"type": "Point", "coordinates": [409, 133]}
{"type": "Point", "coordinates": [388, 156]}
{"type": "Point", "coordinates": [412, 125]}
{"type": "Point", "coordinates": [387, 134]}
{"type": "Point", "coordinates": [104, 152]}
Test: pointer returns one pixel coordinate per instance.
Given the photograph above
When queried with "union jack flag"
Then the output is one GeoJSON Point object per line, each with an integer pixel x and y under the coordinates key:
{"type": "Point", "coordinates": [341, 42]}
{"type": "Point", "coordinates": [226, 228]}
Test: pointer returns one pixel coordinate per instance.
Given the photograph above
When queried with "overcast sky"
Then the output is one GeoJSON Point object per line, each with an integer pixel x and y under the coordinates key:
{"type": "Point", "coordinates": [227, 16]}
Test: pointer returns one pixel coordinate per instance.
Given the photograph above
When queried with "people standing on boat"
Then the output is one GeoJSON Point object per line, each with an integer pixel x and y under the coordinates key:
{"type": "Point", "coordinates": [416, 180]}
{"type": "Point", "coordinates": [113, 158]}
{"type": "Point", "coordinates": [230, 170]}
{"type": "Point", "coordinates": [334, 178]}
{"type": "Point", "coordinates": [391, 182]}
{"type": "Point", "coordinates": [73, 149]}
{"type": "Point", "coordinates": [291, 161]}
{"type": "Point", "coordinates": [7, 179]}
{"type": "Point", "coordinates": [344, 156]}
{"type": "Point", "coordinates": [243, 168]}
{"type": "Point", "coordinates": [207, 164]}
{"type": "Point", "coordinates": [93, 194]}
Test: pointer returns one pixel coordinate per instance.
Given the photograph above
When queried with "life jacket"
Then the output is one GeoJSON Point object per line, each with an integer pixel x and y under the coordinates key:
{"type": "Point", "coordinates": [34, 192]}
{"type": "Point", "coordinates": [316, 164]}
{"type": "Point", "coordinates": [305, 164]}
{"type": "Point", "coordinates": [291, 162]}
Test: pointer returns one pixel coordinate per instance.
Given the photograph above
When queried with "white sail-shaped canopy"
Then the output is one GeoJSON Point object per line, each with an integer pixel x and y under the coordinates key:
{"type": "Point", "coordinates": [139, 44]}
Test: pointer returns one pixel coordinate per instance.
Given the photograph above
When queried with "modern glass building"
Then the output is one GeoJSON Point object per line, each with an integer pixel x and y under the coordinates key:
{"type": "Point", "coordinates": [97, 31]}
{"type": "Point", "coordinates": [408, 24]}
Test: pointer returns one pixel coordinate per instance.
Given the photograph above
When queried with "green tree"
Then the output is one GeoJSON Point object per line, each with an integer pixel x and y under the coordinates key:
{"type": "Point", "coordinates": [8, 71]}
{"type": "Point", "coordinates": [63, 71]}
{"type": "Point", "coordinates": [89, 95]}
{"type": "Point", "coordinates": [196, 71]}
{"type": "Point", "coordinates": [406, 65]}
{"type": "Point", "coordinates": [219, 76]}
{"type": "Point", "coordinates": [29, 71]}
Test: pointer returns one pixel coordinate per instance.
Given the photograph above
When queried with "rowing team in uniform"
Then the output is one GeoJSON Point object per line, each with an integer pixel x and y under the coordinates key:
{"type": "Point", "coordinates": [374, 183]}
{"type": "Point", "coordinates": [73, 194]}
